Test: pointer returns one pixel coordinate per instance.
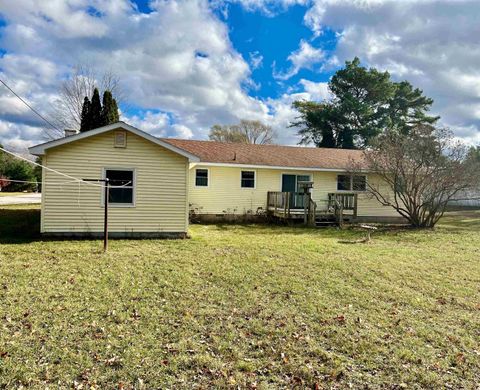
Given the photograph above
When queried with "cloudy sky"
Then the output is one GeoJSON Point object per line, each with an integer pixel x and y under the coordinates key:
{"type": "Point", "coordinates": [188, 64]}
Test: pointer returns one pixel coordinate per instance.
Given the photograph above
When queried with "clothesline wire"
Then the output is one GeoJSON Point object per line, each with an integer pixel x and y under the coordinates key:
{"type": "Point", "coordinates": [74, 179]}
{"type": "Point", "coordinates": [62, 182]}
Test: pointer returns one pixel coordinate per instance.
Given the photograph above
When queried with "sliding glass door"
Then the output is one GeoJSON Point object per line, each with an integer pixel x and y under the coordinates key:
{"type": "Point", "coordinates": [290, 183]}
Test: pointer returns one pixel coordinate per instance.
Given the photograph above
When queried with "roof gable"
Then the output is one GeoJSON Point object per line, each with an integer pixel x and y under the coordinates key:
{"type": "Point", "coordinates": [40, 150]}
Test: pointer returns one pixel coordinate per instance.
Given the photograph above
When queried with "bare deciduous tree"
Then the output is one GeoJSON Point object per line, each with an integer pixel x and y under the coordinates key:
{"type": "Point", "coordinates": [421, 172]}
{"type": "Point", "coordinates": [67, 108]}
{"type": "Point", "coordinates": [225, 133]}
{"type": "Point", "coordinates": [246, 132]}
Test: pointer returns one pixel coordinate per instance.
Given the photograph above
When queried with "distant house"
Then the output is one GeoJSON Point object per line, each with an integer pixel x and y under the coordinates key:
{"type": "Point", "coordinates": [158, 183]}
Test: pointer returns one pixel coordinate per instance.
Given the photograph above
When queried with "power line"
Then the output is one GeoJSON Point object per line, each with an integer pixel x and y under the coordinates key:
{"type": "Point", "coordinates": [30, 107]}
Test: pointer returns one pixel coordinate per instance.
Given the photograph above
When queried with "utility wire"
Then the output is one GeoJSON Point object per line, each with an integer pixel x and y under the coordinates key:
{"type": "Point", "coordinates": [30, 107]}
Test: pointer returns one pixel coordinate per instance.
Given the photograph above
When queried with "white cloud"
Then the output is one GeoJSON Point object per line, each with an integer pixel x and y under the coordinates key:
{"type": "Point", "coordinates": [432, 44]}
{"type": "Point", "coordinates": [317, 91]}
{"type": "Point", "coordinates": [256, 60]}
{"type": "Point", "coordinates": [268, 7]}
{"type": "Point", "coordinates": [305, 57]}
{"type": "Point", "coordinates": [281, 112]}
{"type": "Point", "coordinates": [153, 123]}
{"type": "Point", "coordinates": [182, 131]}
{"type": "Point", "coordinates": [179, 68]}
{"type": "Point", "coordinates": [177, 59]}
{"type": "Point", "coordinates": [17, 137]}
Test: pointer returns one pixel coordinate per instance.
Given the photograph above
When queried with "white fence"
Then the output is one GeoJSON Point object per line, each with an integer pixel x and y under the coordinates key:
{"type": "Point", "coordinates": [466, 199]}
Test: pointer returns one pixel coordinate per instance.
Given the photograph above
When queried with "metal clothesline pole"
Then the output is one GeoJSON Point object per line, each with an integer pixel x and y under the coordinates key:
{"type": "Point", "coordinates": [105, 206]}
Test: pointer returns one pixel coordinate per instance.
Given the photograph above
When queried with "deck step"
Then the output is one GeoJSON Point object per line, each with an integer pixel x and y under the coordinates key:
{"type": "Point", "coordinates": [325, 220]}
{"type": "Point", "coordinates": [325, 224]}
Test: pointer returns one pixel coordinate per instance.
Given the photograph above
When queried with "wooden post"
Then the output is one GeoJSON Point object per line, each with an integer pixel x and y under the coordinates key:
{"type": "Point", "coordinates": [286, 200]}
{"type": "Point", "coordinates": [340, 216]}
{"type": "Point", "coordinates": [306, 206]}
{"type": "Point", "coordinates": [355, 205]}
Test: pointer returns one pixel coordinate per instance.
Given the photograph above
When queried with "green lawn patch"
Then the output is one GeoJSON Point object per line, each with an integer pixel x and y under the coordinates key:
{"type": "Point", "coordinates": [241, 306]}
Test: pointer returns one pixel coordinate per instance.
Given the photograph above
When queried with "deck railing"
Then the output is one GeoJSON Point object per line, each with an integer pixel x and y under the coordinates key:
{"type": "Point", "coordinates": [288, 203]}
{"type": "Point", "coordinates": [347, 201]}
{"type": "Point", "coordinates": [296, 205]}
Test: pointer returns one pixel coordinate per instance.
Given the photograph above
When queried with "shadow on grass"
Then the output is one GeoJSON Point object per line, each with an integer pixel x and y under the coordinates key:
{"type": "Point", "coordinates": [18, 225]}
{"type": "Point", "coordinates": [461, 220]}
{"type": "Point", "coordinates": [293, 230]}
{"type": "Point", "coordinates": [21, 225]}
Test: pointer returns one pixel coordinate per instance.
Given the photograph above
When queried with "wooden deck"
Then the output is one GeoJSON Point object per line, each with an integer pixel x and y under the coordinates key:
{"type": "Point", "coordinates": [338, 208]}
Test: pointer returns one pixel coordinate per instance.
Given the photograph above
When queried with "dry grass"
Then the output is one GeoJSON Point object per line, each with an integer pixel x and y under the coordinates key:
{"type": "Point", "coordinates": [247, 306]}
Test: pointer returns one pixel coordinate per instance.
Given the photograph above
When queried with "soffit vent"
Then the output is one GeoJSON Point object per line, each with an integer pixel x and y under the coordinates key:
{"type": "Point", "coordinates": [120, 139]}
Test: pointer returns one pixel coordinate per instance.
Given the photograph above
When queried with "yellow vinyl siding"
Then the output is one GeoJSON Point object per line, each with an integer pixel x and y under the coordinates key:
{"type": "Point", "coordinates": [160, 187]}
{"type": "Point", "coordinates": [225, 195]}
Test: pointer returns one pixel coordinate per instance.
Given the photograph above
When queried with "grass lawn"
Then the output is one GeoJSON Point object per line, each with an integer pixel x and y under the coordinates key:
{"type": "Point", "coordinates": [241, 306]}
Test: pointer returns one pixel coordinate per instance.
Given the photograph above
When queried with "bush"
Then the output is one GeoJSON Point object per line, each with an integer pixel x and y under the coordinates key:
{"type": "Point", "coordinates": [15, 169]}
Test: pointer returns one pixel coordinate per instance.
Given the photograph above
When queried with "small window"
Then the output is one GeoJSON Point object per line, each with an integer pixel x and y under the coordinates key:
{"type": "Point", "coordinates": [343, 183]}
{"type": "Point", "coordinates": [248, 179]}
{"type": "Point", "coordinates": [120, 139]}
{"type": "Point", "coordinates": [351, 183]}
{"type": "Point", "coordinates": [122, 185]}
{"type": "Point", "coordinates": [201, 177]}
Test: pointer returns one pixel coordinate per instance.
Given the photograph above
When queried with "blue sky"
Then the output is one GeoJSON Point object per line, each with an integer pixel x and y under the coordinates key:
{"type": "Point", "coordinates": [185, 65]}
{"type": "Point", "coordinates": [274, 38]}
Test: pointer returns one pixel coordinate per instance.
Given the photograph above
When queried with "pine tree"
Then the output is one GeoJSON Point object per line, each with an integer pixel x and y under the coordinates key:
{"type": "Point", "coordinates": [85, 123]}
{"type": "Point", "coordinates": [95, 112]}
{"type": "Point", "coordinates": [116, 116]}
{"type": "Point", "coordinates": [364, 103]}
{"type": "Point", "coordinates": [109, 109]}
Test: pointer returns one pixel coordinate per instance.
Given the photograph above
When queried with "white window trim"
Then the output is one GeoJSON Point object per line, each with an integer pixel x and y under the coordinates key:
{"type": "Point", "coordinates": [195, 177]}
{"type": "Point", "coordinates": [254, 179]}
{"type": "Point", "coordinates": [351, 184]}
{"type": "Point", "coordinates": [134, 187]}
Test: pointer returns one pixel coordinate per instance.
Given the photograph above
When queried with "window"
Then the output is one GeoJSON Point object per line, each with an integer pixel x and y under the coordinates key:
{"type": "Point", "coordinates": [343, 183]}
{"type": "Point", "coordinates": [248, 179]}
{"type": "Point", "coordinates": [201, 177]}
{"type": "Point", "coordinates": [351, 183]}
{"type": "Point", "coordinates": [359, 183]}
{"type": "Point", "coordinates": [122, 182]}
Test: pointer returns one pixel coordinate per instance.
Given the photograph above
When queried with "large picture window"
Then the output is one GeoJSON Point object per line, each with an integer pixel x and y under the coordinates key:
{"type": "Point", "coordinates": [248, 179]}
{"type": "Point", "coordinates": [351, 183]}
{"type": "Point", "coordinates": [122, 186]}
{"type": "Point", "coordinates": [201, 177]}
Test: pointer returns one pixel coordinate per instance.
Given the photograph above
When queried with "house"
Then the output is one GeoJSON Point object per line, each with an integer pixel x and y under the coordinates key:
{"type": "Point", "coordinates": [156, 183]}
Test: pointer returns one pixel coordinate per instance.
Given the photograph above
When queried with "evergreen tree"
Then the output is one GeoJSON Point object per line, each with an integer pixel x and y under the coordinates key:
{"type": "Point", "coordinates": [116, 116]}
{"type": "Point", "coordinates": [109, 109]}
{"type": "Point", "coordinates": [85, 117]}
{"type": "Point", "coordinates": [95, 112]}
{"type": "Point", "coordinates": [408, 107]}
{"type": "Point", "coordinates": [365, 103]}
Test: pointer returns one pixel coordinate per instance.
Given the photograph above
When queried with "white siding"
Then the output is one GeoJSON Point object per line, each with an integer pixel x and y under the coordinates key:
{"type": "Point", "coordinates": [160, 189]}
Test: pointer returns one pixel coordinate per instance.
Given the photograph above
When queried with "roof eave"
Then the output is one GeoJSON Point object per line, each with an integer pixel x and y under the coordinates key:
{"type": "Point", "coordinates": [279, 167]}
